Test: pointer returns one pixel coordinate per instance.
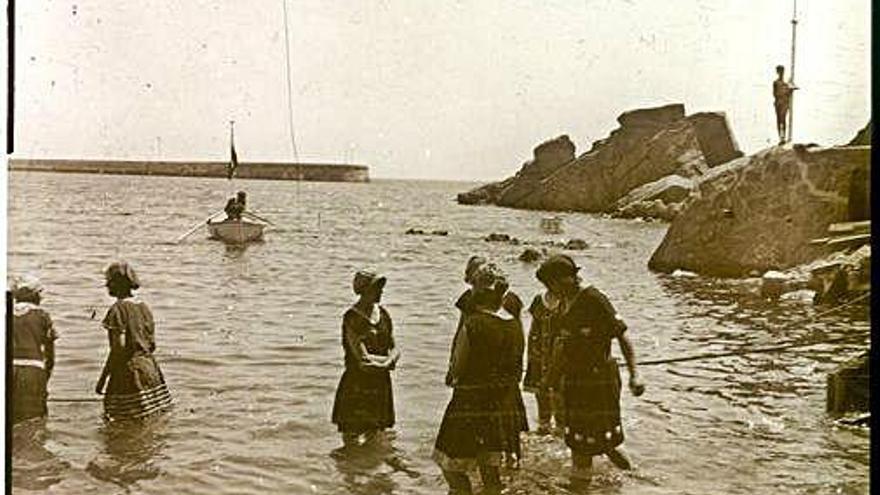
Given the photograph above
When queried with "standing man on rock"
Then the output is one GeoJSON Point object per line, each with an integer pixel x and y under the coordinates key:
{"type": "Point", "coordinates": [782, 91]}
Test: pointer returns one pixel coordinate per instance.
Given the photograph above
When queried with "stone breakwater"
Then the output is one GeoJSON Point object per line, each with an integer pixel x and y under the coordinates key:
{"type": "Point", "coordinates": [246, 170]}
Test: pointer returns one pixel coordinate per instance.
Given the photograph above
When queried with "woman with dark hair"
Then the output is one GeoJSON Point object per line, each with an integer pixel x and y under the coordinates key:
{"type": "Point", "coordinates": [465, 303]}
{"type": "Point", "coordinates": [589, 376]}
{"type": "Point", "coordinates": [364, 403]}
{"type": "Point", "coordinates": [136, 387]}
{"type": "Point", "coordinates": [482, 421]}
{"type": "Point", "coordinates": [543, 335]}
{"type": "Point", "coordinates": [33, 350]}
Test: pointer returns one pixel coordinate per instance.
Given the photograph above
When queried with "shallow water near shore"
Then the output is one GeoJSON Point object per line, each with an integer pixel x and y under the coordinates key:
{"type": "Point", "coordinates": [249, 341]}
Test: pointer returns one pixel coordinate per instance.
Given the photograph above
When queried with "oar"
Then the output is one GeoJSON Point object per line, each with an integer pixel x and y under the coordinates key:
{"type": "Point", "coordinates": [196, 227]}
{"type": "Point", "coordinates": [258, 217]}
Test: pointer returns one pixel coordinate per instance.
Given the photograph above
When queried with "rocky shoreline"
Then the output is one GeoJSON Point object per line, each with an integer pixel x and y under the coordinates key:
{"type": "Point", "coordinates": [654, 155]}
{"type": "Point", "coordinates": [730, 215]}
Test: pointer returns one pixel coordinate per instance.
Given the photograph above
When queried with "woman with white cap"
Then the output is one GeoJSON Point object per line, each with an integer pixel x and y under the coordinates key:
{"type": "Point", "coordinates": [136, 387]}
{"type": "Point", "coordinates": [364, 402]}
{"type": "Point", "coordinates": [33, 350]}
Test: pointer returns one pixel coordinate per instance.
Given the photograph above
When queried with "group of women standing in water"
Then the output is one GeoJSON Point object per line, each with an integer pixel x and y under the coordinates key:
{"type": "Point", "coordinates": [570, 369]}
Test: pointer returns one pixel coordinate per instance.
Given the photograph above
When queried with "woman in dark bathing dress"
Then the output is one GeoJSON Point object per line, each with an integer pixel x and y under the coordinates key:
{"type": "Point", "coordinates": [136, 388]}
{"type": "Point", "coordinates": [484, 417]}
{"type": "Point", "coordinates": [364, 403]}
{"type": "Point", "coordinates": [33, 350]}
{"type": "Point", "coordinates": [589, 377]}
{"type": "Point", "coordinates": [513, 305]}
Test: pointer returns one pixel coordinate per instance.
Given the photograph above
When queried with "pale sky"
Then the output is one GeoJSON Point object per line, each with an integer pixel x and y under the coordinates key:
{"type": "Point", "coordinates": [419, 88]}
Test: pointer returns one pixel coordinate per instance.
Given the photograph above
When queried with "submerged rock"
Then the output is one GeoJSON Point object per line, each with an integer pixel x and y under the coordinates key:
{"type": "Point", "coordinates": [531, 255]}
{"type": "Point", "coordinates": [576, 245]}
{"type": "Point", "coordinates": [414, 231]}
{"type": "Point", "coordinates": [494, 237]}
{"type": "Point", "coordinates": [773, 284]}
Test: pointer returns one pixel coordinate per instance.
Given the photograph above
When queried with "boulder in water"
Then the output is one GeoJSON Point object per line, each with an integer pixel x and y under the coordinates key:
{"type": "Point", "coordinates": [576, 245]}
{"type": "Point", "coordinates": [760, 212]}
{"type": "Point", "coordinates": [530, 255]}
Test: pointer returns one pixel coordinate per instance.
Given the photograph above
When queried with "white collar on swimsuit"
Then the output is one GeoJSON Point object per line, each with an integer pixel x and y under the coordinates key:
{"type": "Point", "coordinates": [23, 307]}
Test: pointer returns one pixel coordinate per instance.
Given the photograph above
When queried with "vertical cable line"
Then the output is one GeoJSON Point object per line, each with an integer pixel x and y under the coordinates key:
{"type": "Point", "coordinates": [290, 101]}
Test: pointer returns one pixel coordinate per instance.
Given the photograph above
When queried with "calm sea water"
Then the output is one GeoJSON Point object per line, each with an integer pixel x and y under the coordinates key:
{"type": "Point", "coordinates": [249, 343]}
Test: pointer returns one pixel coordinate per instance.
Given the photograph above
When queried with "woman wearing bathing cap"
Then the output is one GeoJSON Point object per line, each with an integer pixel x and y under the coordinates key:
{"type": "Point", "coordinates": [582, 364]}
{"type": "Point", "coordinates": [135, 386]}
{"type": "Point", "coordinates": [33, 350]}
{"type": "Point", "coordinates": [485, 416]}
{"type": "Point", "coordinates": [364, 404]}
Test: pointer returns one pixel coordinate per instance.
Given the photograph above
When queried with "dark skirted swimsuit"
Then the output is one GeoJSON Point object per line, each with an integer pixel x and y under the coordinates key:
{"type": "Point", "coordinates": [544, 338]}
{"type": "Point", "coordinates": [136, 388]}
{"type": "Point", "coordinates": [590, 377]}
{"type": "Point", "coordinates": [31, 329]}
{"type": "Point", "coordinates": [513, 305]}
{"type": "Point", "coordinates": [364, 401]}
{"type": "Point", "coordinates": [485, 416]}
{"type": "Point", "coordinates": [543, 334]}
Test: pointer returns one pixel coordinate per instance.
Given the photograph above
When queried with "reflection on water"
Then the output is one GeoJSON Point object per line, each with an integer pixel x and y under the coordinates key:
{"type": "Point", "coordinates": [371, 468]}
{"type": "Point", "coordinates": [249, 340]}
{"type": "Point", "coordinates": [130, 451]}
{"type": "Point", "coordinates": [235, 251]}
{"type": "Point", "coordinates": [34, 466]}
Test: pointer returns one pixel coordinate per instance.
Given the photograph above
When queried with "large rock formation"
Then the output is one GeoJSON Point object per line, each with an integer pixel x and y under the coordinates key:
{"type": "Point", "coordinates": [649, 145]}
{"type": "Point", "coordinates": [548, 157]}
{"type": "Point", "coordinates": [760, 212]}
{"type": "Point", "coordinates": [863, 137]}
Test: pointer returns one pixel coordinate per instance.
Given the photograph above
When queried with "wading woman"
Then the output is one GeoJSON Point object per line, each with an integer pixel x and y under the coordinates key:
{"type": "Point", "coordinates": [543, 335]}
{"type": "Point", "coordinates": [483, 419]}
{"type": "Point", "coordinates": [33, 350]}
{"type": "Point", "coordinates": [135, 387]}
{"type": "Point", "coordinates": [589, 377]}
{"type": "Point", "coordinates": [364, 403]}
{"type": "Point", "coordinates": [465, 302]}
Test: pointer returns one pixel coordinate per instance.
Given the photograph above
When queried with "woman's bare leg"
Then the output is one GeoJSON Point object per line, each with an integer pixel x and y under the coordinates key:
{"type": "Point", "coordinates": [619, 459]}
{"type": "Point", "coordinates": [350, 439]}
{"type": "Point", "coordinates": [581, 470]}
{"type": "Point", "coordinates": [491, 477]}
{"type": "Point", "coordinates": [459, 483]}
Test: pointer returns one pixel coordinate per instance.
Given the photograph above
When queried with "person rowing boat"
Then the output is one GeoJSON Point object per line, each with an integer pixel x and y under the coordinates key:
{"type": "Point", "coordinates": [236, 206]}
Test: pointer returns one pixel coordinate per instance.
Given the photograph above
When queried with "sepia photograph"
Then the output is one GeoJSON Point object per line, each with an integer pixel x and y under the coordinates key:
{"type": "Point", "coordinates": [418, 247]}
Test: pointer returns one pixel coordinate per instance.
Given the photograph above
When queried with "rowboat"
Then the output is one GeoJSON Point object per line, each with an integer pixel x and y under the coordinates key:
{"type": "Point", "coordinates": [236, 231]}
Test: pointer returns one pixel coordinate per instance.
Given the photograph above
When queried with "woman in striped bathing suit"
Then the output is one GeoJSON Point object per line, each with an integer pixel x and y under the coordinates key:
{"type": "Point", "coordinates": [136, 387]}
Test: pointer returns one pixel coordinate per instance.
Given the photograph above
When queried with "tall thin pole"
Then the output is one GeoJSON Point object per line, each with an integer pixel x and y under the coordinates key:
{"type": "Point", "coordinates": [791, 80]}
{"type": "Point", "coordinates": [290, 100]}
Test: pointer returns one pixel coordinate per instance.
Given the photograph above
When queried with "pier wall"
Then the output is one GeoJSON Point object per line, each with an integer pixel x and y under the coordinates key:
{"type": "Point", "coordinates": [246, 170]}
